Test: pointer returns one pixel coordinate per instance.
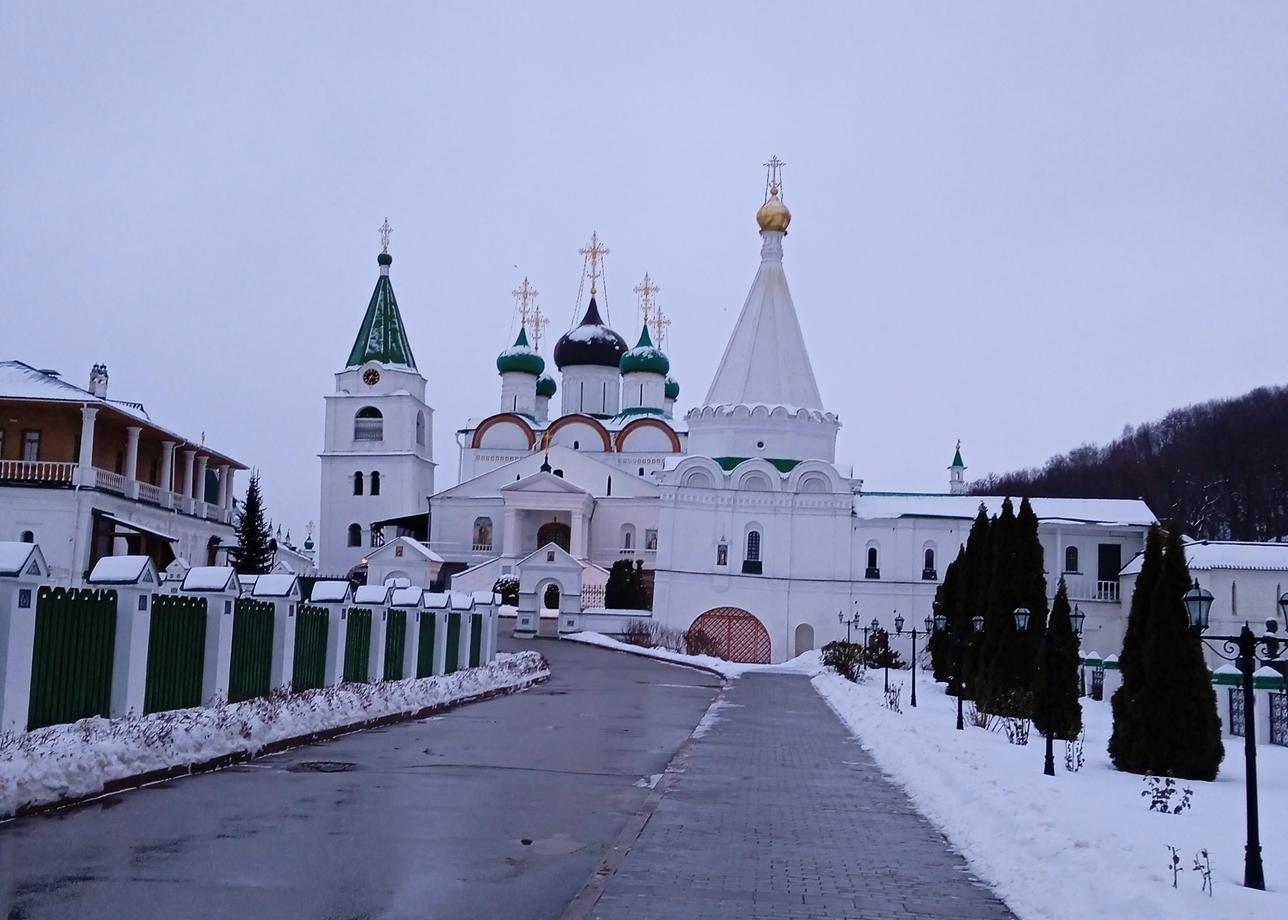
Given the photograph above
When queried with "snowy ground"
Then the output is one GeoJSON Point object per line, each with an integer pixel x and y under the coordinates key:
{"type": "Point", "coordinates": [1081, 844]}
{"type": "Point", "coordinates": [71, 761]}
{"type": "Point", "coordinates": [805, 664]}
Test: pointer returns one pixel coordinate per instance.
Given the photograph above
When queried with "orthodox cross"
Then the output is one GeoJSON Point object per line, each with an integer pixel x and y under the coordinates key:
{"type": "Point", "coordinates": [526, 294]}
{"type": "Point", "coordinates": [646, 289]}
{"type": "Point", "coordinates": [773, 176]}
{"type": "Point", "coordinates": [594, 254]}
{"type": "Point", "coordinates": [539, 324]}
{"type": "Point", "coordinates": [660, 323]}
{"type": "Point", "coordinates": [385, 230]}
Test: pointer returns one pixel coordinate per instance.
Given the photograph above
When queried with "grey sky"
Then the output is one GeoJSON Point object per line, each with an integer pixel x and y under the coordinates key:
{"type": "Point", "coordinates": [1022, 225]}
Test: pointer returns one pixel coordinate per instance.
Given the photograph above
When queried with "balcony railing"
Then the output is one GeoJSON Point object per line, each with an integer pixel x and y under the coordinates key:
{"type": "Point", "coordinates": [150, 493]}
{"type": "Point", "coordinates": [40, 472]}
{"type": "Point", "coordinates": [109, 481]}
{"type": "Point", "coordinates": [1086, 589]}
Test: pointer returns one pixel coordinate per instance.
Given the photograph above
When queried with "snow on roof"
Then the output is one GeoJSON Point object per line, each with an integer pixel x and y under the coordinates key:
{"type": "Point", "coordinates": [1107, 511]}
{"type": "Point", "coordinates": [274, 585]}
{"type": "Point", "coordinates": [13, 556]}
{"type": "Point", "coordinates": [371, 594]}
{"type": "Point", "coordinates": [415, 545]}
{"type": "Point", "coordinates": [1205, 555]}
{"type": "Point", "coordinates": [329, 592]}
{"type": "Point", "coordinates": [462, 601]}
{"type": "Point", "coordinates": [120, 570]}
{"type": "Point", "coordinates": [210, 578]}
{"type": "Point", "coordinates": [435, 601]}
{"type": "Point", "coordinates": [22, 381]}
{"type": "Point", "coordinates": [247, 581]}
{"type": "Point", "coordinates": [483, 598]}
{"type": "Point", "coordinates": [408, 597]}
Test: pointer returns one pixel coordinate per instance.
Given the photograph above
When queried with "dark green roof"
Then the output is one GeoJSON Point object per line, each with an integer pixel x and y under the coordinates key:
{"type": "Point", "coordinates": [672, 389]}
{"type": "Point", "coordinates": [381, 337]}
{"type": "Point", "coordinates": [546, 386]}
{"type": "Point", "coordinates": [641, 410]}
{"type": "Point", "coordinates": [644, 358]}
{"type": "Point", "coordinates": [783, 466]}
{"type": "Point", "coordinates": [957, 458]}
{"type": "Point", "coordinates": [520, 358]}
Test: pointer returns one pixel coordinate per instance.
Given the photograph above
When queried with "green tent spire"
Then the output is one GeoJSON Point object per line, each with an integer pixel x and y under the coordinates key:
{"type": "Point", "coordinates": [382, 337]}
{"type": "Point", "coordinates": [957, 457]}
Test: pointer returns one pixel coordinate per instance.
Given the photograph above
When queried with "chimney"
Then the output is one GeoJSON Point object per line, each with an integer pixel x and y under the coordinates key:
{"type": "Point", "coordinates": [98, 380]}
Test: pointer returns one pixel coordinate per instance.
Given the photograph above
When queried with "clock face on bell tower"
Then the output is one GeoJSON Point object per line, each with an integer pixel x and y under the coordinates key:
{"type": "Point", "coordinates": [371, 376]}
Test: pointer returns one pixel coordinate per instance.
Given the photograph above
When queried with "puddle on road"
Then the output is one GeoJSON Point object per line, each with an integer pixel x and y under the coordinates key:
{"type": "Point", "coordinates": [322, 766]}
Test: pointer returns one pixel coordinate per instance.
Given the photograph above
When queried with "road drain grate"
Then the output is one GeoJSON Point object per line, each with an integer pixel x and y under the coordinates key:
{"type": "Point", "coordinates": [322, 766]}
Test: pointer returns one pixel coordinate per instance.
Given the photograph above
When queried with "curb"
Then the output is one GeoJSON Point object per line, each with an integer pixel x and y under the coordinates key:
{"type": "Point", "coordinates": [139, 780]}
{"type": "Point", "coordinates": [679, 664]}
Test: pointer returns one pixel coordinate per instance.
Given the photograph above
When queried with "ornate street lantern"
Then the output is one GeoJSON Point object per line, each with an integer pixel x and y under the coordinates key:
{"type": "Point", "coordinates": [876, 624]}
{"type": "Point", "coordinates": [1077, 618]}
{"type": "Point", "coordinates": [930, 624]}
{"type": "Point", "coordinates": [978, 622]}
{"type": "Point", "coordinates": [1022, 618]}
{"type": "Point", "coordinates": [941, 619]}
{"type": "Point", "coordinates": [1198, 604]}
{"type": "Point", "coordinates": [898, 624]}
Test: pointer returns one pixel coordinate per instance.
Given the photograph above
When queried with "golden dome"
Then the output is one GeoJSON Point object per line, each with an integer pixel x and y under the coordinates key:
{"type": "Point", "coordinates": [773, 214]}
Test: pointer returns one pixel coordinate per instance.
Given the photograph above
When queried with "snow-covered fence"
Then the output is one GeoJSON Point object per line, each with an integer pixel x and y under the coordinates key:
{"type": "Point", "coordinates": [228, 644]}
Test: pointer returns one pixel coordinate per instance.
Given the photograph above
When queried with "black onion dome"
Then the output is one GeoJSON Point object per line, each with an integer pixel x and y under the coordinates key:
{"type": "Point", "coordinates": [590, 343]}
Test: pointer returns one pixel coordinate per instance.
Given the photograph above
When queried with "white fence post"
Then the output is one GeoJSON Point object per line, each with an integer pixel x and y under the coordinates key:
{"type": "Point", "coordinates": [283, 592]}
{"type": "Point", "coordinates": [220, 587]}
{"type": "Point", "coordinates": [134, 579]}
{"type": "Point", "coordinates": [22, 569]}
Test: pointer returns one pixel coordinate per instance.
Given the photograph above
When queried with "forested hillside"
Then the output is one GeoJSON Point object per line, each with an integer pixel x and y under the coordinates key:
{"type": "Point", "coordinates": [1220, 467]}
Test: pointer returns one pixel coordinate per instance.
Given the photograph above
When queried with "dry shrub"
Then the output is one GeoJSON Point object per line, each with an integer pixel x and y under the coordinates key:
{"type": "Point", "coordinates": [637, 632]}
{"type": "Point", "coordinates": [700, 642]}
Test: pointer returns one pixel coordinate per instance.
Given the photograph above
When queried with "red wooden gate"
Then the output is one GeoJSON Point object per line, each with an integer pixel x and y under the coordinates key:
{"type": "Point", "coordinates": [741, 636]}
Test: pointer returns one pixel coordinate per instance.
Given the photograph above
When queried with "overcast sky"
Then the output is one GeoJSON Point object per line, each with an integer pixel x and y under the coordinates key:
{"type": "Point", "coordinates": [1023, 225]}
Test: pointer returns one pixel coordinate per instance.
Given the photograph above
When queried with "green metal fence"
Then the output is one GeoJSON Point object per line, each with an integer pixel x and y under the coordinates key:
{"type": "Point", "coordinates": [71, 673]}
{"type": "Point", "coordinates": [395, 643]}
{"type": "Point", "coordinates": [251, 672]}
{"type": "Point", "coordinates": [309, 671]}
{"type": "Point", "coordinates": [357, 646]}
{"type": "Point", "coordinates": [176, 651]}
{"type": "Point", "coordinates": [476, 639]}
{"type": "Point", "coordinates": [425, 651]}
{"type": "Point", "coordinates": [453, 643]}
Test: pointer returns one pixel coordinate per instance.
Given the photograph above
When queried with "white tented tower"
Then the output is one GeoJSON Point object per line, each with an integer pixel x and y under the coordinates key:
{"type": "Point", "coordinates": [377, 459]}
{"type": "Point", "coordinates": [957, 473]}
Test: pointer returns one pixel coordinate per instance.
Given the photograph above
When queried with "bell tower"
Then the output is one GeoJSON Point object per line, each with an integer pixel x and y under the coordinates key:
{"type": "Point", "coordinates": [377, 455]}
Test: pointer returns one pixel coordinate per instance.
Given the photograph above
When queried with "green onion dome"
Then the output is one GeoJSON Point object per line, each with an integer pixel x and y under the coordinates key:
{"type": "Point", "coordinates": [520, 358]}
{"type": "Point", "coordinates": [546, 386]}
{"type": "Point", "coordinates": [672, 390]}
{"type": "Point", "coordinates": [385, 259]}
{"type": "Point", "coordinates": [644, 358]}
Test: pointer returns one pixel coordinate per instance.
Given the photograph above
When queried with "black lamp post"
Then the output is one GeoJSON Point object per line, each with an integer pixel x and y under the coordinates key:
{"type": "Point", "coordinates": [840, 618]}
{"type": "Point", "coordinates": [898, 630]}
{"type": "Point", "coordinates": [959, 648]}
{"type": "Point", "coordinates": [1022, 616]}
{"type": "Point", "coordinates": [1242, 650]}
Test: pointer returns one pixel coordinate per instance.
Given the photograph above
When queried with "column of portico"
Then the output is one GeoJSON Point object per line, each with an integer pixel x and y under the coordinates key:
{"type": "Point", "coordinates": [199, 487]}
{"type": "Point", "coordinates": [185, 484]}
{"type": "Point", "coordinates": [577, 545]}
{"type": "Point", "coordinates": [86, 458]}
{"type": "Point", "coordinates": [132, 433]}
{"type": "Point", "coordinates": [167, 474]}
{"type": "Point", "coordinates": [510, 542]}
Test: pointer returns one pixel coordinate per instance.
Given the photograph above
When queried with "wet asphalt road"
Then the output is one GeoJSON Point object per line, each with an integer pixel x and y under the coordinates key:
{"type": "Point", "coordinates": [423, 820]}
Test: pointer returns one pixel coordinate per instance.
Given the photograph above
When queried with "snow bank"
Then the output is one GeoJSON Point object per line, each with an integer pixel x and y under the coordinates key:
{"type": "Point", "coordinates": [806, 663]}
{"type": "Point", "coordinates": [77, 760]}
{"type": "Point", "coordinates": [1076, 845]}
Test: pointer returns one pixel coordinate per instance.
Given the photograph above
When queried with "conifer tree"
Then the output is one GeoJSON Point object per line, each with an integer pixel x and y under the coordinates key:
{"type": "Point", "coordinates": [1174, 716]}
{"type": "Point", "coordinates": [1122, 737]}
{"type": "Point", "coordinates": [255, 548]}
{"type": "Point", "coordinates": [999, 614]}
{"type": "Point", "coordinates": [1055, 679]}
{"type": "Point", "coordinates": [947, 601]}
{"type": "Point", "coordinates": [972, 599]}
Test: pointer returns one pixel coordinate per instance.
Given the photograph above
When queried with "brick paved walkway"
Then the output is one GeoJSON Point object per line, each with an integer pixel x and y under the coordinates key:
{"type": "Point", "coordinates": [779, 814]}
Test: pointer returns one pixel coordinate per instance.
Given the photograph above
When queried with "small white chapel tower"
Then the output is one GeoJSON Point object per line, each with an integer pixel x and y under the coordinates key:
{"type": "Point", "coordinates": [377, 457]}
{"type": "Point", "coordinates": [957, 473]}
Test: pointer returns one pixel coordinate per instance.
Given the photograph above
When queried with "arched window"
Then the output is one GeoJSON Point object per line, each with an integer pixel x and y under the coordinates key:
{"type": "Point", "coordinates": [375, 483]}
{"type": "Point", "coordinates": [357, 483]}
{"type": "Point", "coordinates": [355, 535]}
{"type": "Point", "coordinates": [874, 568]}
{"type": "Point", "coordinates": [1071, 559]}
{"type": "Point", "coordinates": [576, 445]}
{"type": "Point", "coordinates": [368, 424]}
{"type": "Point", "coordinates": [641, 471]}
{"type": "Point", "coordinates": [928, 572]}
{"type": "Point", "coordinates": [420, 428]}
{"type": "Point", "coordinates": [628, 536]}
{"type": "Point", "coordinates": [482, 534]}
{"type": "Point", "coordinates": [28, 537]}
{"type": "Point", "coordinates": [751, 562]}
{"type": "Point", "coordinates": [697, 479]}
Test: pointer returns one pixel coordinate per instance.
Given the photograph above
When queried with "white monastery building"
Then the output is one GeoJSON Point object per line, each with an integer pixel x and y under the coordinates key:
{"type": "Point", "coordinates": [739, 512]}
{"type": "Point", "coordinates": [86, 475]}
